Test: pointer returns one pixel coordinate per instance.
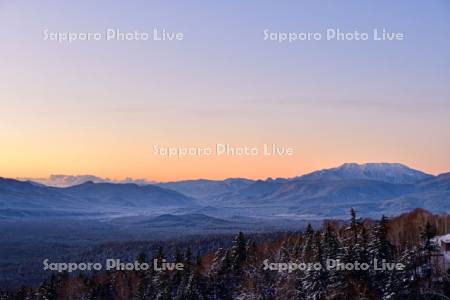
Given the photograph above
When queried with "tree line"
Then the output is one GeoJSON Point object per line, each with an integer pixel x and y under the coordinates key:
{"type": "Point", "coordinates": [237, 272]}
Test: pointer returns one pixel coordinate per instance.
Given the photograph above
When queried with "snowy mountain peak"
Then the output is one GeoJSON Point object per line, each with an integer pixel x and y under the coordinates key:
{"type": "Point", "coordinates": [72, 180]}
{"type": "Point", "coordinates": [388, 172]}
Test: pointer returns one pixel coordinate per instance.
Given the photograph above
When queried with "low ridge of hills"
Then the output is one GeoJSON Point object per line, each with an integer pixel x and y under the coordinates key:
{"type": "Point", "coordinates": [22, 199]}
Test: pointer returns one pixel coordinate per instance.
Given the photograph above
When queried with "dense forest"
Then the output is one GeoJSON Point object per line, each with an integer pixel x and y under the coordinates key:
{"type": "Point", "coordinates": [294, 265]}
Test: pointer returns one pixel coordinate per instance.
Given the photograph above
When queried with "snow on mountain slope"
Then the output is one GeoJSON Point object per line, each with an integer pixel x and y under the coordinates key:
{"type": "Point", "coordinates": [387, 172]}
{"type": "Point", "coordinates": [71, 180]}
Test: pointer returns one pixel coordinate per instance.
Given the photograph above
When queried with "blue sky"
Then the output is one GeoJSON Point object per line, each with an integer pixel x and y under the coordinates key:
{"type": "Point", "coordinates": [335, 101]}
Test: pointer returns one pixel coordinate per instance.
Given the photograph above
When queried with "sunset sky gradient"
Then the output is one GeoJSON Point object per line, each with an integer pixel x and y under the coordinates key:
{"type": "Point", "coordinates": [99, 107]}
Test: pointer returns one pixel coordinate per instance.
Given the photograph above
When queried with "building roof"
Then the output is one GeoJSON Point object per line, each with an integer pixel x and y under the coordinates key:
{"type": "Point", "coordinates": [442, 239]}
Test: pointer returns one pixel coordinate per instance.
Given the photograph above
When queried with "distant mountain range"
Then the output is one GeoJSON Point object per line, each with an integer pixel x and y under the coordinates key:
{"type": "Point", "coordinates": [70, 180]}
{"type": "Point", "coordinates": [372, 189]}
{"type": "Point", "coordinates": [207, 189]}
{"type": "Point", "coordinates": [89, 199]}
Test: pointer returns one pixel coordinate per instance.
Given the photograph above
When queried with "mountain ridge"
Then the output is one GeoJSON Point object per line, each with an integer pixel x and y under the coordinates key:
{"type": "Point", "coordinates": [388, 172]}
{"type": "Point", "coordinates": [71, 180]}
{"type": "Point", "coordinates": [374, 188]}
{"type": "Point", "coordinates": [25, 198]}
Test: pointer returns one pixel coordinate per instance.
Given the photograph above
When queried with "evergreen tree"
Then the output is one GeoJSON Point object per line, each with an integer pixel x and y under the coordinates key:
{"type": "Point", "coordinates": [308, 237]}
{"type": "Point", "coordinates": [161, 280]}
{"type": "Point", "coordinates": [316, 278]}
{"type": "Point", "coordinates": [222, 281]}
{"type": "Point", "coordinates": [331, 243]}
{"type": "Point", "coordinates": [403, 281]}
{"type": "Point", "coordinates": [48, 289]}
{"type": "Point", "coordinates": [238, 252]}
{"type": "Point", "coordinates": [101, 291]}
{"type": "Point", "coordinates": [198, 285]}
{"type": "Point", "coordinates": [333, 251]}
{"type": "Point", "coordinates": [185, 276]}
{"type": "Point", "coordinates": [354, 226]}
{"type": "Point", "coordinates": [252, 251]}
{"type": "Point", "coordinates": [179, 274]}
{"type": "Point", "coordinates": [381, 250]}
{"type": "Point", "coordinates": [382, 247]}
{"type": "Point", "coordinates": [188, 259]}
{"type": "Point", "coordinates": [427, 234]}
{"type": "Point", "coordinates": [427, 250]}
{"type": "Point", "coordinates": [24, 293]}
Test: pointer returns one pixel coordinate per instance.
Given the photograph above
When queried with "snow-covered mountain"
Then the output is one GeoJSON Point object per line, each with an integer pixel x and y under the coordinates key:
{"type": "Point", "coordinates": [387, 172]}
{"type": "Point", "coordinates": [373, 189]}
{"type": "Point", "coordinates": [71, 180]}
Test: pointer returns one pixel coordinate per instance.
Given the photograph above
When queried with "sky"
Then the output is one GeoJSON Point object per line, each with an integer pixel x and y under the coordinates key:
{"type": "Point", "coordinates": [99, 107]}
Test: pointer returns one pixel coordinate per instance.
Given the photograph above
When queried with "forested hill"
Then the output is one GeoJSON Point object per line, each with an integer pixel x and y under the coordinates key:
{"type": "Point", "coordinates": [271, 269]}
